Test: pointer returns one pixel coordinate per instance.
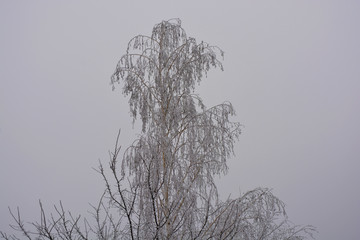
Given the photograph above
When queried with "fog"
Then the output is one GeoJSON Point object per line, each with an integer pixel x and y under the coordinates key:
{"type": "Point", "coordinates": [292, 73]}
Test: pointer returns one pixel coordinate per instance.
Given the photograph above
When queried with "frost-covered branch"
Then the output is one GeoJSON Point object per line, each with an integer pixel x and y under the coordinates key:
{"type": "Point", "coordinates": [163, 186]}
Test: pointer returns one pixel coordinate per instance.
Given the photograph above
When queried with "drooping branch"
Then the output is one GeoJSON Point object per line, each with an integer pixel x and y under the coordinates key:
{"type": "Point", "coordinates": [163, 186]}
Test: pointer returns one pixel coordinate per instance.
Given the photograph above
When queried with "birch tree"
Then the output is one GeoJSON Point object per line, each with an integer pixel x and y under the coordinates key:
{"type": "Point", "coordinates": [163, 187]}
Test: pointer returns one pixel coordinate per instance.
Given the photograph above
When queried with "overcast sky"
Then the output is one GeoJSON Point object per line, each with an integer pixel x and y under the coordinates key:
{"type": "Point", "coordinates": [292, 72]}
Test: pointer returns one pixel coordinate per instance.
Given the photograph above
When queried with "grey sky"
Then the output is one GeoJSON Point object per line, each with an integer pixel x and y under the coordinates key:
{"type": "Point", "coordinates": [292, 72]}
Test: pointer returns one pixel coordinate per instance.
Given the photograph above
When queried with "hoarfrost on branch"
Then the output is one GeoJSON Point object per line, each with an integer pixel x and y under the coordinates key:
{"type": "Point", "coordinates": [164, 187]}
